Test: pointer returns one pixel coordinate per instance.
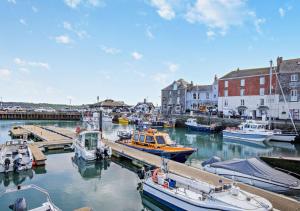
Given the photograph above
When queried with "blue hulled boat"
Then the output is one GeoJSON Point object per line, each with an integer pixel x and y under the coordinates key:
{"type": "Point", "coordinates": [192, 124]}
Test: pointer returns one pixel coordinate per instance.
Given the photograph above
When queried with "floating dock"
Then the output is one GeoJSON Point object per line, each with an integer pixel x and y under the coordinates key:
{"type": "Point", "coordinates": [38, 155]}
{"type": "Point", "coordinates": [55, 135]}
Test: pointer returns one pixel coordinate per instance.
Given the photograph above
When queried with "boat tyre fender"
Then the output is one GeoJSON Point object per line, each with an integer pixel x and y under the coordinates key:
{"type": "Point", "coordinates": [154, 175]}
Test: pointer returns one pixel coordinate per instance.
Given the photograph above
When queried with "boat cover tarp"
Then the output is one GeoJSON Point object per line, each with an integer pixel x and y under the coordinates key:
{"type": "Point", "coordinates": [257, 168]}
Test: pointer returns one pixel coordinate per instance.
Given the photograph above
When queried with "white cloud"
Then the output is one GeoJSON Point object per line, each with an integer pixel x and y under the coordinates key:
{"type": "Point", "coordinates": [164, 9]}
{"type": "Point", "coordinates": [24, 70]}
{"type": "Point", "coordinates": [75, 3]}
{"type": "Point", "coordinates": [257, 23]}
{"type": "Point", "coordinates": [173, 67]}
{"type": "Point", "coordinates": [136, 55]}
{"type": "Point", "coordinates": [80, 33]}
{"type": "Point", "coordinates": [110, 50]}
{"type": "Point", "coordinates": [219, 14]}
{"type": "Point", "coordinates": [210, 34]}
{"type": "Point", "coordinates": [5, 73]}
{"type": "Point", "coordinates": [149, 33]}
{"type": "Point", "coordinates": [72, 3]}
{"type": "Point", "coordinates": [23, 64]}
{"type": "Point", "coordinates": [281, 12]}
{"type": "Point", "coordinates": [34, 9]}
{"type": "Point", "coordinates": [12, 1]}
{"type": "Point", "coordinates": [22, 21]}
{"type": "Point", "coordinates": [63, 39]}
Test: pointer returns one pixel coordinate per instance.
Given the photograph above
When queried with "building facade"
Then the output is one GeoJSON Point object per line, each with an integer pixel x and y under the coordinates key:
{"type": "Point", "coordinates": [173, 98]}
{"type": "Point", "coordinates": [289, 78]}
{"type": "Point", "coordinates": [202, 95]}
{"type": "Point", "coordinates": [249, 92]}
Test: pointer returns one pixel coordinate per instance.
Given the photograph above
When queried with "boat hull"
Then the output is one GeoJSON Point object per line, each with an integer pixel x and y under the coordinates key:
{"type": "Point", "coordinates": [85, 155]}
{"type": "Point", "coordinates": [180, 156]}
{"type": "Point", "coordinates": [200, 129]}
{"type": "Point", "coordinates": [254, 181]}
{"type": "Point", "coordinates": [283, 137]}
{"type": "Point", "coordinates": [245, 136]}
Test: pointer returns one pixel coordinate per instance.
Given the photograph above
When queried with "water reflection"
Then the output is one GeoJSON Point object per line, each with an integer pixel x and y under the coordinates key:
{"type": "Point", "coordinates": [12, 178]}
{"type": "Point", "coordinates": [91, 169]}
{"type": "Point", "coordinates": [150, 204]}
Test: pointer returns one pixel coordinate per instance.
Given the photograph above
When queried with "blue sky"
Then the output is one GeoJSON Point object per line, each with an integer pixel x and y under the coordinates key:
{"type": "Point", "coordinates": [53, 51]}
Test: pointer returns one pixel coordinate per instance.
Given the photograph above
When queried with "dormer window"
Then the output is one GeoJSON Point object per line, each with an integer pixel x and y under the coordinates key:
{"type": "Point", "coordinates": [294, 77]}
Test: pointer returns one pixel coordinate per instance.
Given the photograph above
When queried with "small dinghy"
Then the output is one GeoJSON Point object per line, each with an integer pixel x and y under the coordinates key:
{"type": "Point", "coordinates": [254, 172]}
{"type": "Point", "coordinates": [16, 156]}
{"type": "Point", "coordinates": [182, 193]}
{"type": "Point", "coordinates": [20, 204]}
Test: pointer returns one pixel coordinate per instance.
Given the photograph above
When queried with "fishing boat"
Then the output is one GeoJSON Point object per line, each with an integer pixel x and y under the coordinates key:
{"type": "Point", "coordinates": [16, 156]}
{"type": "Point", "coordinates": [89, 146]}
{"type": "Point", "coordinates": [250, 130]}
{"type": "Point", "coordinates": [158, 143]}
{"type": "Point", "coordinates": [254, 172]}
{"type": "Point", "coordinates": [123, 120]}
{"type": "Point", "coordinates": [20, 204]}
{"type": "Point", "coordinates": [182, 193]}
{"type": "Point", "coordinates": [192, 124]}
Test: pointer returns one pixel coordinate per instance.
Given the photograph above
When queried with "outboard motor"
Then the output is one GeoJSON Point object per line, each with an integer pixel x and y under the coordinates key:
{"type": "Point", "coordinates": [211, 160]}
{"type": "Point", "coordinates": [98, 154]}
{"type": "Point", "coordinates": [19, 205]}
{"type": "Point", "coordinates": [6, 164]}
{"type": "Point", "coordinates": [141, 173]}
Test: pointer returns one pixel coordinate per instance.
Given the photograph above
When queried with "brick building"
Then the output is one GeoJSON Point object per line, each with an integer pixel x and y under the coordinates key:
{"type": "Point", "coordinates": [248, 92]}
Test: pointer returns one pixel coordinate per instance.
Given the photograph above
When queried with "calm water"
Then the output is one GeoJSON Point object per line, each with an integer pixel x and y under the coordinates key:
{"type": "Point", "coordinates": [112, 185]}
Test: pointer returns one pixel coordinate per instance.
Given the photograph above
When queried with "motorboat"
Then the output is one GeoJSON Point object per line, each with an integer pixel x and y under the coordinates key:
{"type": "Point", "coordinates": [89, 146]}
{"type": "Point", "coordinates": [158, 124]}
{"type": "Point", "coordinates": [281, 136]}
{"type": "Point", "coordinates": [250, 130]}
{"type": "Point", "coordinates": [183, 193]}
{"type": "Point", "coordinates": [16, 156]}
{"type": "Point", "coordinates": [192, 124]}
{"type": "Point", "coordinates": [123, 134]}
{"type": "Point", "coordinates": [254, 172]}
{"type": "Point", "coordinates": [158, 143]}
{"type": "Point", "coordinates": [21, 204]}
{"type": "Point", "coordinates": [94, 117]}
{"type": "Point", "coordinates": [123, 120]}
{"type": "Point", "coordinates": [106, 117]}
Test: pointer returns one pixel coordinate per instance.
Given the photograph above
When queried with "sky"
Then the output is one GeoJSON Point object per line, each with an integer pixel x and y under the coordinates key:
{"type": "Point", "coordinates": [75, 50]}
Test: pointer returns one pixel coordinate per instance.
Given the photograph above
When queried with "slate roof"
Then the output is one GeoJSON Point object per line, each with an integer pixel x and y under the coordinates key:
{"type": "Point", "coordinates": [246, 72]}
{"type": "Point", "coordinates": [180, 84]}
{"type": "Point", "coordinates": [204, 88]}
{"type": "Point", "coordinates": [290, 66]}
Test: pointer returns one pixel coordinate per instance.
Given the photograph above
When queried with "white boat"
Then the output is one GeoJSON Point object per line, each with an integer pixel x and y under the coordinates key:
{"type": "Point", "coordinates": [15, 155]}
{"type": "Point", "coordinates": [254, 172]}
{"type": "Point", "coordinates": [250, 130]}
{"type": "Point", "coordinates": [93, 118]}
{"type": "Point", "coordinates": [106, 117]}
{"type": "Point", "coordinates": [281, 136]}
{"type": "Point", "coordinates": [89, 146]}
{"type": "Point", "coordinates": [181, 193]}
{"type": "Point", "coordinates": [21, 204]}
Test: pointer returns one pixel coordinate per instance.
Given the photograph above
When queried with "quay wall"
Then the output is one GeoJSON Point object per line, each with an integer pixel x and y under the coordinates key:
{"type": "Point", "coordinates": [40, 116]}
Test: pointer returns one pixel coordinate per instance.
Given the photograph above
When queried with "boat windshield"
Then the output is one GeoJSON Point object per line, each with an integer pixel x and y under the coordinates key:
{"type": "Point", "coordinates": [150, 140]}
{"type": "Point", "coordinates": [91, 140]}
{"type": "Point", "coordinates": [136, 137]}
{"type": "Point", "coordinates": [160, 140]}
{"type": "Point", "coordinates": [142, 137]}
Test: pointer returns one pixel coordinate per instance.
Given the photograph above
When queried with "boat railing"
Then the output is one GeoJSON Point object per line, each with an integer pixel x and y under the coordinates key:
{"type": "Point", "coordinates": [26, 187]}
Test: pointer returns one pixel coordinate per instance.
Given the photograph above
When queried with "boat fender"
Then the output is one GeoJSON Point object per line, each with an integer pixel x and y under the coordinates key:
{"type": "Point", "coordinates": [166, 185]}
{"type": "Point", "coordinates": [154, 175]}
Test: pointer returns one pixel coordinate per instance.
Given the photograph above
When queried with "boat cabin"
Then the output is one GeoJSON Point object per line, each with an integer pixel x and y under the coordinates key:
{"type": "Point", "coordinates": [254, 125]}
{"type": "Point", "coordinates": [89, 139]}
{"type": "Point", "coordinates": [151, 137]}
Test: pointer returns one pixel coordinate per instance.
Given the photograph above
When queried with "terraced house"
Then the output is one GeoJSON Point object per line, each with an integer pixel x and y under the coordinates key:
{"type": "Point", "coordinates": [289, 77]}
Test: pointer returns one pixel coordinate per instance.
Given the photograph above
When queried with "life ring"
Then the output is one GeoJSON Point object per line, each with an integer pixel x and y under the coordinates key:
{"type": "Point", "coordinates": [154, 175]}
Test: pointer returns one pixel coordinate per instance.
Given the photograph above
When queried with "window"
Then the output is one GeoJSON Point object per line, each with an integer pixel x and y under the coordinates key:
{"type": "Point", "coordinates": [242, 102]}
{"type": "Point", "coordinates": [136, 137]}
{"type": "Point", "coordinates": [242, 92]}
{"type": "Point", "coordinates": [262, 80]}
{"type": "Point", "coordinates": [226, 84]}
{"type": "Point", "coordinates": [170, 93]}
{"type": "Point", "coordinates": [226, 93]}
{"type": "Point", "coordinates": [262, 91]}
{"type": "Point", "coordinates": [207, 95]}
{"type": "Point", "coordinates": [90, 141]}
{"type": "Point", "coordinates": [149, 140]}
{"type": "Point", "coordinates": [198, 96]}
{"type": "Point", "coordinates": [243, 82]}
{"type": "Point", "coordinates": [178, 92]}
{"type": "Point", "coordinates": [225, 103]}
{"type": "Point", "coordinates": [262, 102]}
{"type": "Point", "coordinates": [175, 86]}
{"type": "Point", "coordinates": [142, 137]}
{"type": "Point", "coordinates": [294, 77]}
{"type": "Point", "coordinates": [195, 96]}
{"type": "Point", "coordinates": [294, 96]}
{"type": "Point", "coordinates": [160, 140]}
{"type": "Point", "coordinates": [178, 99]}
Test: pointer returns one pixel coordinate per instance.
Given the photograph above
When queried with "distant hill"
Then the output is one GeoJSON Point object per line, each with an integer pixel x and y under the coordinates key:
{"type": "Point", "coordinates": [41, 105]}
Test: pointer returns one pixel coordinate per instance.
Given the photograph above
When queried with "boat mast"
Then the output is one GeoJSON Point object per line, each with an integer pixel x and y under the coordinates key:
{"type": "Point", "coordinates": [290, 115]}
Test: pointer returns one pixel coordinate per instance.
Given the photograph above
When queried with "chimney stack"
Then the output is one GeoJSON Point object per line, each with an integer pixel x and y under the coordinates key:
{"type": "Point", "coordinates": [279, 61]}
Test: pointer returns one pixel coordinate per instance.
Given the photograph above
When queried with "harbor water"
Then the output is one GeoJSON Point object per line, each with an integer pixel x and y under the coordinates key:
{"type": "Point", "coordinates": [112, 185]}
